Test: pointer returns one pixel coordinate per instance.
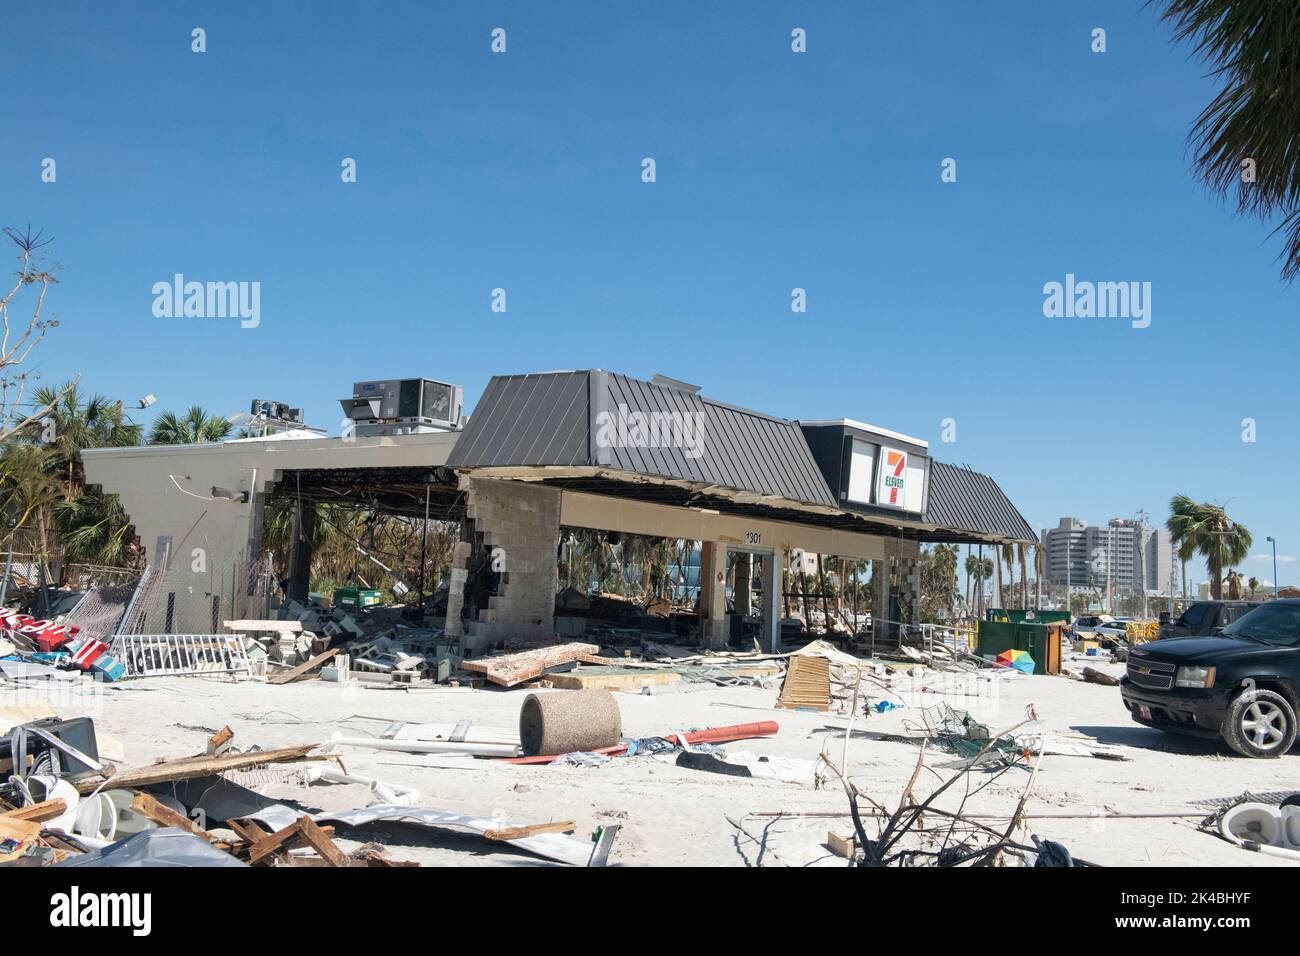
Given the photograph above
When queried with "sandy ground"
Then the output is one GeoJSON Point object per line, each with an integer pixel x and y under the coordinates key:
{"type": "Point", "coordinates": [671, 816]}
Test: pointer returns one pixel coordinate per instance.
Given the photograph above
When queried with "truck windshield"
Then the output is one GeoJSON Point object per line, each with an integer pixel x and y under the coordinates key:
{"type": "Point", "coordinates": [1271, 623]}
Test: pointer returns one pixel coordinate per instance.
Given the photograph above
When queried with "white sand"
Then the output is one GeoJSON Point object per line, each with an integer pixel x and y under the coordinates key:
{"type": "Point", "coordinates": [672, 816]}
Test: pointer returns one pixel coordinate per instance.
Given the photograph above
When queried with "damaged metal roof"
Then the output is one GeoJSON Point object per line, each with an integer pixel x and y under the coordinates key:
{"type": "Point", "coordinates": [606, 420]}
{"type": "Point", "coordinates": [965, 500]}
{"type": "Point", "coordinates": [602, 420]}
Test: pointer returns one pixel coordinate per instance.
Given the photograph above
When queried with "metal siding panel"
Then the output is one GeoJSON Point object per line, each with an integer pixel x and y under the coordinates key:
{"type": "Point", "coordinates": [686, 466]}
{"type": "Point", "coordinates": [516, 420]}
{"type": "Point", "coordinates": [567, 399]}
{"type": "Point", "coordinates": [467, 445]}
{"type": "Point", "coordinates": [630, 457]}
{"type": "Point", "coordinates": [543, 408]}
{"type": "Point", "coordinates": [650, 402]}
{"type": "Point", "coordinates": [576, 447]}
{"type": "Point", "coordinates": [724, 463]}
{"type": "Point", "coordinates": [763, 473]}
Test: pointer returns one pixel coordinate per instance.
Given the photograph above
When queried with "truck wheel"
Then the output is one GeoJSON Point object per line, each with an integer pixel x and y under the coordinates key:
{"type": "Point", "coordinates": [1260, 723]}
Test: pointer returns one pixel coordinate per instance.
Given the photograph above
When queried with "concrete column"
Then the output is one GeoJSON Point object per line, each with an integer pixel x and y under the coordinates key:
{"type": "Point", "coordinates": [774, 566]}
{"type": "Point", "coordinates": [454, 626]}
{"type": "Point", "coordinates": [743, 566]}
{"type": "Point", "coordinates": [880, 598]}
{"type": "Point", "coordinates": [300, 551]}
{"type": "Point", "coordinates": [713, 595]}
{"type": "Point", "coordinates": [908, 586]}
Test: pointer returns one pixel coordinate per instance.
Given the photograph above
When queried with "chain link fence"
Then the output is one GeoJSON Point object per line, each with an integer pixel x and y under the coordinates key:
{"type": "Point", "coordinates": [176, 599]}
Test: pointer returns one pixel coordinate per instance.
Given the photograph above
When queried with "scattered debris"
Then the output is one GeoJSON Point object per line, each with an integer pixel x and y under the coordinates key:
{"type": "Point", "coordinates": [511, 669]}
{"type": "Point", "coordinates": [1094, 676]}
{"type": "Point", "coordinates": [1273, 830]}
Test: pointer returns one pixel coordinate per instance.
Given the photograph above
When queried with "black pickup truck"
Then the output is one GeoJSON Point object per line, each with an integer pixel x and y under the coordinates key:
{"type": "Point", "coordinates": [1203, 619]}
{"type": "Point", "coordinates": [1243, 685]}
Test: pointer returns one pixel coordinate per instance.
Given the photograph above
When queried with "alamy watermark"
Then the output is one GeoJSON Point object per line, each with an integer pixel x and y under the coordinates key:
{"type": "Point", "coordinates": [628, 429]}
{"type": "Point", "coordinates": [209, 300]}
{"type": "Point", "coordinates": [1102, 300]}
{"type": "Point", "coordinates": [76, 908]}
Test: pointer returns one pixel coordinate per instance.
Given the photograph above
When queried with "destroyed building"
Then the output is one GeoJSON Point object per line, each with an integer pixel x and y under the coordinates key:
{"type": "Point", "coordinates": [563, 450]}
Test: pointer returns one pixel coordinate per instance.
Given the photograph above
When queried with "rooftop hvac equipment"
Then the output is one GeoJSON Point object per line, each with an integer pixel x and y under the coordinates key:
{"type": "Point", "coordinates": [405, 406]}
{"type": "Point", "coordinates": [275, 411]}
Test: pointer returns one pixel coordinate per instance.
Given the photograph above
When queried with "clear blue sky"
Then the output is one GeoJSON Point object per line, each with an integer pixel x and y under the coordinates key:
{"type": "Point", "coordinates": [775, 170]}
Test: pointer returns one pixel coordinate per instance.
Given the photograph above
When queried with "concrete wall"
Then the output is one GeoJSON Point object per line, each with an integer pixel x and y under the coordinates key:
{"type": "Point", "coordinates": [520, 523]}
{"type": "Point", "coordinates": [167, 491]}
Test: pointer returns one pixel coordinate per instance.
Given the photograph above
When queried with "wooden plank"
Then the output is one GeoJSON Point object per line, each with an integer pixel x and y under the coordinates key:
{"type": "Point", "coordinates": [510, 669]}
{"type": "Point", "coordinates": [189, 767]}
{"type": "Point", "coordinates": [249, 830]}
{"type": "Point", "coordinates": [295, 672]}
{"type": "Point", "coordinates": [265, 627]}
{"type": "Point", "coordinates": [146, 805]}
{"type": "Point", "coordinates": [842, 846]}
{"type": "Point", "coordinates": [531, 830]}
{"type": "Point", "coordinates": [19, 831]}
{"type": "Point", "coordinates": [320, 841]}
{"type": "Point", "coordinates": [220, 741]}
{"type": "Point", "coordinates": [37, 812]}
{"type": "Point", "coordinates": [274, 841]}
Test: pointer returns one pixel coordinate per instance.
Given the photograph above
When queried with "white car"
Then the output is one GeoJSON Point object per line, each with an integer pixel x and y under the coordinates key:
{"type": "Point", "coordinates": [1111, 631]}
{"type": "Point", "coordinates": [1087, 625]}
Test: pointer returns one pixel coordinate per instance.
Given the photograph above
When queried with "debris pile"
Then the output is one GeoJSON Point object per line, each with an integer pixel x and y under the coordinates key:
{"type": "Point", "coordinates": [34, 648]}
{"type": "Point", "coordinates": [63, 806]}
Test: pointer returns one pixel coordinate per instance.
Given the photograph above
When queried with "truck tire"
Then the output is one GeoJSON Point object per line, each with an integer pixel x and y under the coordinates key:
{"type": "Point", "coordinates": [1260, 723]}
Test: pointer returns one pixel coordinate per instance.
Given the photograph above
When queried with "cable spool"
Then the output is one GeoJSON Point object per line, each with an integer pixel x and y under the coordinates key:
{"type": "Point", "coordinates": [564, 722]}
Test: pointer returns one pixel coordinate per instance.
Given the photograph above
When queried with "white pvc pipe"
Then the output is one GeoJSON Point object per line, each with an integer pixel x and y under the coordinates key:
{"type": "Point", "coordinates": [394, 793]}
{"type": "Point", "coordinates": [424, 746]}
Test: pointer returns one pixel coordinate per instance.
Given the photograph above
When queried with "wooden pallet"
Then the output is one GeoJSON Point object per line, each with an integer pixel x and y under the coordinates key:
{"type": "Point", "coordinates": [807, 684]}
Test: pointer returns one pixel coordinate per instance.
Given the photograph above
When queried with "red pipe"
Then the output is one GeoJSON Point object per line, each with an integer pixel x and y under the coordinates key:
{"type": "Point", "coordinates": [710, 735]}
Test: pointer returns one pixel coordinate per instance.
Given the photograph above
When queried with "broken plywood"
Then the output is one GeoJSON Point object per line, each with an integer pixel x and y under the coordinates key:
{"type": "Point", "coordinates": [511, 669]}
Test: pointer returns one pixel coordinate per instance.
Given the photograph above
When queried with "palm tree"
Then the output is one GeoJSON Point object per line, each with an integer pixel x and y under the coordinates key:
{"type": "Point", "coordinates": [972, 579]}
{"type": "Point", "coordinates": [1207, 530]}
{"type": "Point", "coordinates": [1040, 571]}
{"type": "Point", "coordinates": [1234, 586]}
{"type": "Point", "coordinates": [93, 422]}
{"type": "Point", "coordinates": [29, 490]}
{"type": "Point", "coordinates": [1253, 584]}
{"type": "Point", "coordinates": [1022, 555]}
{"type": "Point", "coordinates": [196, 427]}
{"type": "Point", "coordinates": [981, 569]}
{"type": "Point", "coordinates": [95, 529]}
{"type": "Point", "coordinates": [1253, 46]}
{"type": "Point", "coordinates": [937, 580]}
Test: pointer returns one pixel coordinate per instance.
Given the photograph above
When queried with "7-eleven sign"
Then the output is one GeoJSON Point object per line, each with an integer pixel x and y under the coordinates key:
{"type": "Point", "coordinates": [893, 478]}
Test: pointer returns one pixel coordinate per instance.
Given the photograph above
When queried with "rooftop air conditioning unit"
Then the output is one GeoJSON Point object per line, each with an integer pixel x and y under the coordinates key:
{"type": "Point", "coordinates": [275, 411]}
{"type": "Point", "coordinates": [406, 406]}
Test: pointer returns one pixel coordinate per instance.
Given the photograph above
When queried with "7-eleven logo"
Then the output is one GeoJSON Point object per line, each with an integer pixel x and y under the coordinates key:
{"type": "Point", "coordinates": [894, 476]}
